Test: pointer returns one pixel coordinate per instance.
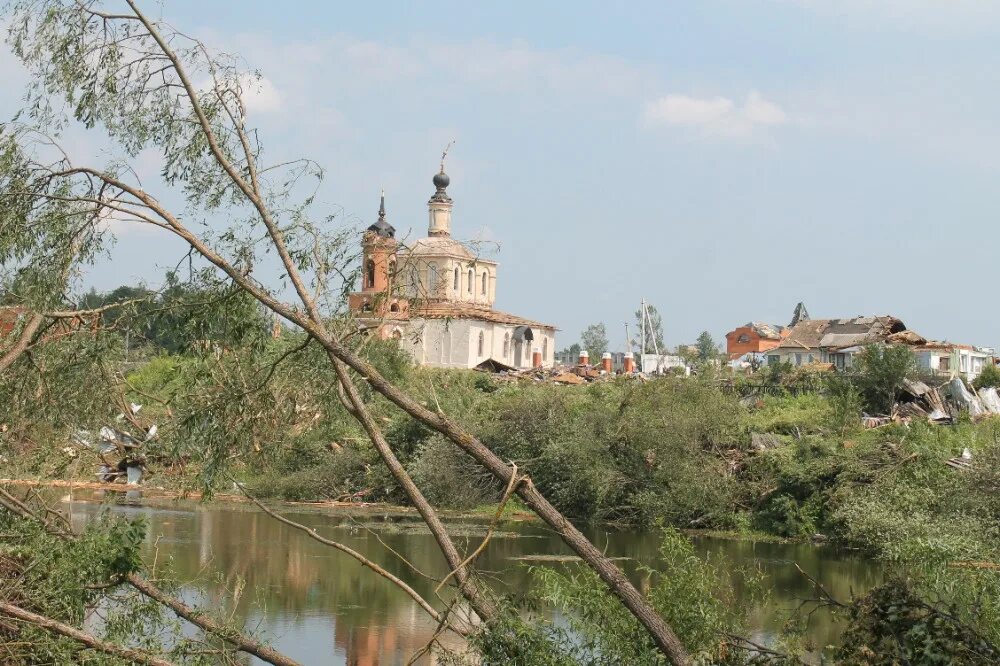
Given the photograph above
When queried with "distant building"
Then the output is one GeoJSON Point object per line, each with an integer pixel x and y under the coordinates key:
{"type": "Point", "coordinates": [833, 341]}
{"type": "Point", "coordinates": [753, 337]}
{"type": "Point", "coordinates": [837, 341]}
{"type": "Point", "coordinates": [436, 297]}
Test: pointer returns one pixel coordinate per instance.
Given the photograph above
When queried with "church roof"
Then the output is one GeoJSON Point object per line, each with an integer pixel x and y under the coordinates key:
{"type": "Point", "coordinates": [433, 246]}
{"type": "Point", "coordinates": [471, 311]}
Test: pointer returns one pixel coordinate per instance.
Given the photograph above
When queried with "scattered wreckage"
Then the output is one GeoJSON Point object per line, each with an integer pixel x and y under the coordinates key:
{"type": "Point", "coordinates": [121, 455]}
{"type": "Point", "coordinates": [941, 405]}
{"type": "Point", "coordinates": [558, 374]}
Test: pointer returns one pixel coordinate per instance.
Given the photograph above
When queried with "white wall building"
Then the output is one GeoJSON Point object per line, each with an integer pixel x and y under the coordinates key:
{"type": "Point", "coordinates": [436, 297]}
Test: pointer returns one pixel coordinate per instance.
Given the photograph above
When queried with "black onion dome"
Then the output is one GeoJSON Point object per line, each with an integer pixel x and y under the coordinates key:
{"type": "Point", "coordinates": [381, 227]}
{"type": "Point", "coordinates": [441, 181]}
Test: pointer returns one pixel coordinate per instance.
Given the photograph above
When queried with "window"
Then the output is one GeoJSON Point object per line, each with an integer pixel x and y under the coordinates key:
{"type": "Point", "coordinates": [545, 349]}
{"type": "Point", "coordinates": [798, 359]}
{"type": "Point", "coordinates": [486, 278]}
{"type": "Point", "coordinates": [394, 307]}
{"type": "Point", "coordinates": [743, 339]}
{"type": "Point", "coordinates": [432, 278]}
{"type": "Point", "coordinates": [392, 268]}
{"type": "Point", "coordinates": [370, 273]}
{"type": "Point", "coordinates": [506, 345]}
{"type": "Point", "coordinates": [455, 286]}
{"type": "Point", "coordinates": [944, 363]}
{"type": "Point", "coordinates": [472, 280]}
{"type": "Point", "coordinates": [774, 359]}
{"type": "Point", "coordinates": [397, 334]}
{"type": "Point", "coordinates": [482, 341]}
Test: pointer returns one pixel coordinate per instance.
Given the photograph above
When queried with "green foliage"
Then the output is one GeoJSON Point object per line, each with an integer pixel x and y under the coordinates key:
{"type": "Point", "coordinates": [893, 625]}
{"type": "Point", "coordinates": [450, 478]}
{"type": "Point", "coordinates": [685, 590]}
{"type": "Point", "coordinates": [879, 374]}
{"type": "Point", "coordinates": [595, 340]}
{"type": "Point", "coordinates": [707, 349]}
{"type": "Point", "coordinates": [988, 378]}
{"type": "Point", "coordinates": [803, 414]}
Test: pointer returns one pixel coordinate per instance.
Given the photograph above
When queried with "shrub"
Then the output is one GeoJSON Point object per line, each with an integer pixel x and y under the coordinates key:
{"type": "Point", "coordinates": [988, 378]}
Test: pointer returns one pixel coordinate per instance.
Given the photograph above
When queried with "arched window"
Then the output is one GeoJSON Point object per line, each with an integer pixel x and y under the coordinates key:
{"type": "Point", "coordinates": [472, 280]}
{"type": "Point", "coordinates": [397, 334]}
{"type": "Point", "coordinates": [392, 268]}
{"type": "Point", "coordinates": [455, 286]}
{"type": "Point", "coordinates": [370, 273]}
{"type": "Point", "coordinates": [486, 278]}
{"type": "Point", "coordinates": [432, 279]}
{"type": "Point", "coordinates": [394, 307]}
{"type": "Point", "coordinates": [367, 307]}
{"type": "Point", "coordinates": [482, 342]}
{"type": "Point", "coordinates": [506, 345]}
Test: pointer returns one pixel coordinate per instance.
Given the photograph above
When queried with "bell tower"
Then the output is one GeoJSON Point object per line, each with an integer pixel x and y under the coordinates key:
{"type": "Point", "coordinates": [439, 207]}
{"type": "Point", "coordinates": [379, 254]}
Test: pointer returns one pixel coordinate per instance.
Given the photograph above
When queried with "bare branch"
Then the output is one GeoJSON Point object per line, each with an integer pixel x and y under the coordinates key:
{"type": "Point", "coordinates": [92, 642]}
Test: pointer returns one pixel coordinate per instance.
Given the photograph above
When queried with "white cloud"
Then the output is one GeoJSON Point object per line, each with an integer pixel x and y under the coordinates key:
{"type": "Point", "coordinates": [759, 111]}
{"type": "Point", "coordinates": [260, 95]}
{"type": "Point", "coordinates": [714, 115]}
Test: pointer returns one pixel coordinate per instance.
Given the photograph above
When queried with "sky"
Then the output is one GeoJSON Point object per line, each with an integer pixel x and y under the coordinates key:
{"type": "Point", "coordinates": [722, 159]}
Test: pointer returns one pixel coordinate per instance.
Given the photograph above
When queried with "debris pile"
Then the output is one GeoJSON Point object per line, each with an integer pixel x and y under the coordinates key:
{"type": "Point", "coordinates": [941, 405]}
{"type": "Point", "coordinates": [558, 374]}
{"type": "Point", "coordinates": [120, 454]}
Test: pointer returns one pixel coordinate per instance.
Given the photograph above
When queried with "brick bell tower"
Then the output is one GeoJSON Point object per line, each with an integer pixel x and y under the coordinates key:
{"type": "Point", "coordinates": [378, 268]}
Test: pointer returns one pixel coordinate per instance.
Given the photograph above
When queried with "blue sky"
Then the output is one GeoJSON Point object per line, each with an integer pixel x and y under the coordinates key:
{"type": "Point", "coordinates": [723, 159]}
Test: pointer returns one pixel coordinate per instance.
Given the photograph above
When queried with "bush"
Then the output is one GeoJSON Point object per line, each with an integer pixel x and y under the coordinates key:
{"type": "Point", "coordinates": [450, 478]}
{"type": "Point", "coordinates": [988, 378]}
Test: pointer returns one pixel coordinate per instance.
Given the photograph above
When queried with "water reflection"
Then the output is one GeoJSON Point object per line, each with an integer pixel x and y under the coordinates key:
{"type": "Point", "coordinates": [321, 606]}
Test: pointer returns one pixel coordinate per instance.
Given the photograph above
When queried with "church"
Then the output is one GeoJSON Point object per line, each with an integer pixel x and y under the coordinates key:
{"type": "Point", "coordinates": [435, 296]}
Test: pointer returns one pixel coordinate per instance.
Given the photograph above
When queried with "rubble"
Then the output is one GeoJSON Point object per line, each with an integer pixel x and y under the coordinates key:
{"type": "Point", "coordinates": [127, 465]}
{"type": "Point", "coordinates": [557, 374]}
{"type": "Point", "coordinates": [944, 403]}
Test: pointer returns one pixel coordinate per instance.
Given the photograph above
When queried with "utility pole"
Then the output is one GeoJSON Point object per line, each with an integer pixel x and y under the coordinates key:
{"type": "Point", "coordinates": [642, 325]}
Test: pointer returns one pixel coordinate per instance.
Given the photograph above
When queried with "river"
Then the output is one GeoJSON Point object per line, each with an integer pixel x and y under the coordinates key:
{"type": "Point", "coordinates": [321, 607]}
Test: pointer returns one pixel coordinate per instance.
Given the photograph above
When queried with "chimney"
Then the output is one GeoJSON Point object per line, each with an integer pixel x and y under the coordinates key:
{"type": "Point", "coordinates": [606, 362]}
{"type": "Point", "coordinates": [536, 358]}
{"type": "Point", "coordinates": [584, 357]}
{"type": "Point", "coordinates": [629, 366]}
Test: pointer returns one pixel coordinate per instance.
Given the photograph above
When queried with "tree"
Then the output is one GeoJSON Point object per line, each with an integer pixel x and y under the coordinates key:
{"type": "Point", "coordinates": [653, 328]}
{"type": "Point", "coordinates": [707, 349]}
{"type": "Point", "coordinates": [156, 90]}
{"type": "Point", "coordinates": [595, 340]}
{"type": "Point", "coordinates": [879, 373]}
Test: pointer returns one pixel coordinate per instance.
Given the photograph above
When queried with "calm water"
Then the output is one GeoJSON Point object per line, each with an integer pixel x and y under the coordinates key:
{"type": "Point", "coordinates": [321, 607]}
